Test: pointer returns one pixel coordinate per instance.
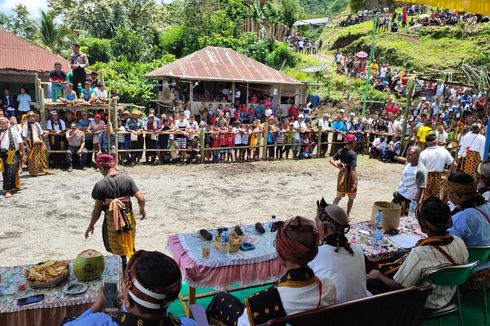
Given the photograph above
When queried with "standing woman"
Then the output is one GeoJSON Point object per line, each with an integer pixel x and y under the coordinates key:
{"type": "Point", "coordinates": [346, 161]}
{"type": "Point", "coordinates": [151, 137]}
{"type": "Point", "coordinates": [135, 126]}
{"type": "Point", "coordinates": [84, 124]}
{"type": "Point", "coordinates": [96, 127]}
{"type": "Point", "coordinates": [36, 150]}
{"type": "Point", "coordinates": [11, 153]}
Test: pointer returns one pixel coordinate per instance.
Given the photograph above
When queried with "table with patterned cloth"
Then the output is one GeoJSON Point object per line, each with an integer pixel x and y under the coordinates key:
{"type": "Point", "coordinates": [56, 305]}
{"type": "Point", "coordinates": [362, 234]}
{"type": "Point", "coordinates": [224, 272]}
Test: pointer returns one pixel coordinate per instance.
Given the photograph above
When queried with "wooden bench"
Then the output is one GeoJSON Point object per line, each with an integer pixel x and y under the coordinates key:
{"type": "Point", "coordinates": [397, 308]}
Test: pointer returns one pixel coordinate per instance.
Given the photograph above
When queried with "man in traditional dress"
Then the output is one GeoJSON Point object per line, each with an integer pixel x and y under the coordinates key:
{"type": "Point", "coordinates": [36, 150]}
{"type": "Point", "coordinates": [337, 259]}
{"type": "Point", "coordinates": [471, 150]}
{"type": "Point", "coordinates": [11, 154]}
{"type": "Point", "coordinates": [113, 196]}
{"type": "Point", "coordinates": [413, 181]}
{"type": "Point", "coordinates": [440, 248]}
{"type": "Point", "coordinates": [57, 140]}
{"type": "Point", "coordinates": [346, 161]}
{"type": "Point", "coordinates": [297, 291]}
{"type": "Point", "coordinates": [152, 282]}
{"type": "Point", "coordinates": [435, 158]}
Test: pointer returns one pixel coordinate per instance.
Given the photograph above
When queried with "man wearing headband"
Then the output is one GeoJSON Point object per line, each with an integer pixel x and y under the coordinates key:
{"type": "Point", "coordinates": [471, 217]}
{"type": "Point", "coordinates": [346, 161]}
{"type": "Point", "coordinates": [113, 196]}
{"type": "Point", "coordinates": [438, 249]}
{"type": "Point", "coordinates": [152, 282]}
{"type": "Point", "coordinates": [11, 154]}
{"type": "Point", "coordinates": [32, 134]}
{"type": "Point", "coordinates": [413, 181]}
{"type": "Point", "coordinates": [483, 173]}
{"type": "Point", "coordinates": [471, 150]}
{"type": "Point", "coordinates": [56, 138]}
{"type": "Point", "coordinates": [337, 259]}
{"type": "Point", "coordinates": [297, 291]}
{"type": "Point", "coordinates": [435, 158]}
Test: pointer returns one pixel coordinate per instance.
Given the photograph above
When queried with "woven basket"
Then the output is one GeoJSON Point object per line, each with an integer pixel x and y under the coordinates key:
{"type": "Point", "coordinates": [51, 283]}
{"type": "Point", "coordinates": [234, 247]}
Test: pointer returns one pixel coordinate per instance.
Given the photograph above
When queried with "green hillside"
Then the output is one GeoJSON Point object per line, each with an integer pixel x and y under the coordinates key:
{"type": "Point", "coordinates": [428, 48]}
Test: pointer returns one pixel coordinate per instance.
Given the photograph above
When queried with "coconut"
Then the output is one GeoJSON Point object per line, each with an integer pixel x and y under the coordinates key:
{"type": "Point", "coordinates": [89, 265]}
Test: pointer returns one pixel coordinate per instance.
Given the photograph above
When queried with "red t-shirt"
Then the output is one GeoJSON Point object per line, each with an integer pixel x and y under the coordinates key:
{"type": "Point", "coordinates": [404, 78]}
{"type": "Point", "coordinates": [392, 108]}
{"type": "Point", "coordinates": [293, 112]}
{"type": "Point", "coordinates": [230, 137]}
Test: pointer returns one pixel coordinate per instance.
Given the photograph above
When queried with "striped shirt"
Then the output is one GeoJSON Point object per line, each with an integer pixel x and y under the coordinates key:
{"type": "Point", "coordinates": [424, 258]}
{"type": "Point", "coordinates": [281, 137]}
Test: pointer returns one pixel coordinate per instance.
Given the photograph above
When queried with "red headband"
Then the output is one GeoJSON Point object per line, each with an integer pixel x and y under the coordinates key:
{"type": "Point", "coordinates": [105, 161]}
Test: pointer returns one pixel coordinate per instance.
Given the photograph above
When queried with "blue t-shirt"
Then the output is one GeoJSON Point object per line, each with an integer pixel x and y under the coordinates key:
{"type": "Point", "coordinates": [87, 95]}
{"type": "Point", "coordinates": [89, 318]}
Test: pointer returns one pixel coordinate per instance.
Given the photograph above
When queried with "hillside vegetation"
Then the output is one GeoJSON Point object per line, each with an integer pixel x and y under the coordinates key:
{"type": "Point", "coordinates": [429, 48]}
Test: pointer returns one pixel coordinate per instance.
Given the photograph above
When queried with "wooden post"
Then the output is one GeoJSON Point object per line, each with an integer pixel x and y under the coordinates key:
{"type": "Point", "coordinates": [101, 74]}
{"type": "Point", "coordinates": [264, 140]}
{"type": "Point", "coordinates": [233, 95]}
{"type": "Point", "coordinates": [115, 128]}
{"type": "Point", "coordinates": [246, 100]}
{"type": "Point", "coordinates": [410, 86]}
{"type": "Point", "coordinates": [201, 143]}
{"type": "Point", "coordinates": [319, 143]}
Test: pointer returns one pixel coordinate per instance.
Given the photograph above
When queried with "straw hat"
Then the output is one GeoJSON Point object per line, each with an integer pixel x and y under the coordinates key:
{"type": "Point", "coordinates": [136, 112]}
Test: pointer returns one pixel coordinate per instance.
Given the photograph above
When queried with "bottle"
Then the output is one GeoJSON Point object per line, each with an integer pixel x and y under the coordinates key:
{"type": "Point", "coordinates": [225, 242]}
{"type": "Point", "coordinates": [272, 235]}
{"type": "Point", "coordinates": [378, 228]}
{"type": "Point", "coordinates": [411, 209]}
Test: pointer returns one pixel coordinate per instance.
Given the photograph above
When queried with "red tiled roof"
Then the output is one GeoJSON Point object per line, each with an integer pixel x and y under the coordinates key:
{"type": "Point", "coordinates": [214, 63]}
{"type": "Point", "coordinates": [21, 55]}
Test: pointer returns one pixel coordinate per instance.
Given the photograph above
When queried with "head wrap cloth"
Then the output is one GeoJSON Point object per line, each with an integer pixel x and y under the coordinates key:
{"type": "Point", "coordinates": [460, 188]}
{"type": "Point", "coordinates": [155, 299]}
{"type": "Point", "coordinates": [105, 161]}
{"type": "Point", "coordinates": [288, 244]}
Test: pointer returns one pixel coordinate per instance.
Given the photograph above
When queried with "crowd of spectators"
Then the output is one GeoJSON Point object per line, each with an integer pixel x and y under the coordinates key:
{"type": "Point", "coordinates": [303, 44]}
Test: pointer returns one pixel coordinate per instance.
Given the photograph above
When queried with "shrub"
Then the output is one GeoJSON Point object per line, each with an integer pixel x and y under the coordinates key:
{"type": "Point", "coordinates": [282, 54]}
{"type": "Point", "coordinates": [97, 49]}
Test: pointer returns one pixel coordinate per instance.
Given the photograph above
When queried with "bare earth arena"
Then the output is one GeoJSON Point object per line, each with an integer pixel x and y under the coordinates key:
{"type": "Point", "coordinates": [48, 218]}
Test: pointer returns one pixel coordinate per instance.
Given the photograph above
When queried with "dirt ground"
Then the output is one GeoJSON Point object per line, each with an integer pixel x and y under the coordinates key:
{"type": "Point", "coordinates": [47, 220]}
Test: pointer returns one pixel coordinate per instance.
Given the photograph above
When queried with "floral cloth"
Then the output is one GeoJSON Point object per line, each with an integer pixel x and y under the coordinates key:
{"type": "Point", "coordinates": [13, 278]}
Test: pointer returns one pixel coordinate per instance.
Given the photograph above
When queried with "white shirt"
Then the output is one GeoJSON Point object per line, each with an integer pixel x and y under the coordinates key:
{"type": "Point", "coordinates": [472, 142]}
{"type": "Point", "coordinates": [413, 177]}
{"type": "Point", "coordinates": [394, 127]}
{"type": "Point", "coordinates": [380, 145]}
{"type": "Point", "coordinates": [347, 272]}
{"type": "Point", "coordinates": [238, 135]}
{"type": "Point", "coordinates": [102, 95]}
{"type": "Point", "coordinates": [50, 125]}
{"type": "Point", "coordinates": [442, 137]}
{"type": "Point", "coordinates": [268, 112]}
{"type": "Point", "coordinates": [423, 258]}
{"type": "Point", "coordinates": [36, 131]}
{"type": "Point", "coordinates": [299, 299]}
{"type": "Point", "coordinates": [435, 158]}
{"type": "Point", "coordinates": [187, 114]}
{"type": "Point", "coordinates": [5, 141]}
{"type": "Point", "coordinates": [382, 72]}
{"type": "Point", "coordinates": [24, 102]}
{"type": "Point", "coordinates": [298, 125]}
{"type": "Point", "coordinates": [323, 124]}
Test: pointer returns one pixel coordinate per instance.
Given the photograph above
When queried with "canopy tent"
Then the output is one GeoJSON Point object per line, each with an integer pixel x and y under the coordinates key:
{"type": "Point", "coordinates": [481, 7]}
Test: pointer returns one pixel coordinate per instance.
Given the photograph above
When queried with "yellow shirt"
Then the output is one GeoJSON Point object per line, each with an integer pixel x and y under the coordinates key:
{"type": "Point", "coordinates": [423, 132]}
{"type": "Point", "coordinates": [374, 67]}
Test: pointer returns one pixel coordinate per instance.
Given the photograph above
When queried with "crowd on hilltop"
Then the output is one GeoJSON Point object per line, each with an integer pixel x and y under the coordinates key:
{"type": "Point", "coordinates": [302, 44]}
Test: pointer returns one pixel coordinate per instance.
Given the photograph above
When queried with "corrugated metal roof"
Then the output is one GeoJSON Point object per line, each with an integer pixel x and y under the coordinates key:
{"type": "Point", "coordinates": [214, 63]}
{"type": "Point", "coordinates": [315, 21]}
{"type": "Point", "coordinates": [19, 54]}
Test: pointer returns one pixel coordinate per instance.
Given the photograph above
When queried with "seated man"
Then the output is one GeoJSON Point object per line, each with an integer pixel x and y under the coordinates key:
{"type": "Point", "coordinates": [413, 181]}
{"type": "Point", "coordinates": [70, 97]}
{"type": "Point", "coordinates": [471, 217]}
{"type": "Point", "coordinates": [76, 145]}
{"type": "Point", "coordinates": [393, 149]}
{"type": "Point", "coordinates": [378, 146]}
{"type": "Point", "coordinates": [338, 260]}
{"type": "Point", "coordinates": [152, 282]}
{"type": "Point", "coordinates": [438, 249]}
{"type": "Point", "coordinates": [297, 291]}
{"type": "Point", "coordinates": [57, 77]}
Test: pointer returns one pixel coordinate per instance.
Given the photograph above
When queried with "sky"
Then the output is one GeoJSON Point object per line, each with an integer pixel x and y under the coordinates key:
{"type": "Point", "coordinates": [34, 6]}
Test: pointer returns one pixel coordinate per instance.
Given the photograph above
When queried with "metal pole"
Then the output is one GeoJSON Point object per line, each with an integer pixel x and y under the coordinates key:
{"type": "Point", "coordinates": [410, 85]}
{"type": "Point", "coordinates": [368, 72]}
{"type": "Point", "coordinates": [487, 140]}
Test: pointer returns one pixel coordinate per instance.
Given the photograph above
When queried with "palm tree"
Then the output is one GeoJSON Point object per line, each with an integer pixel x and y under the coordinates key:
{"type": "Point", "coordinates": [290, 10]}
{"type": "Point", "coordinates": [52, 35]}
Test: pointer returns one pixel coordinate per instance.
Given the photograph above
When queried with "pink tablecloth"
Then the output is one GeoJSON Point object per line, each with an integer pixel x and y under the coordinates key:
{"type": "Point", "coordinates": [222, 278]}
